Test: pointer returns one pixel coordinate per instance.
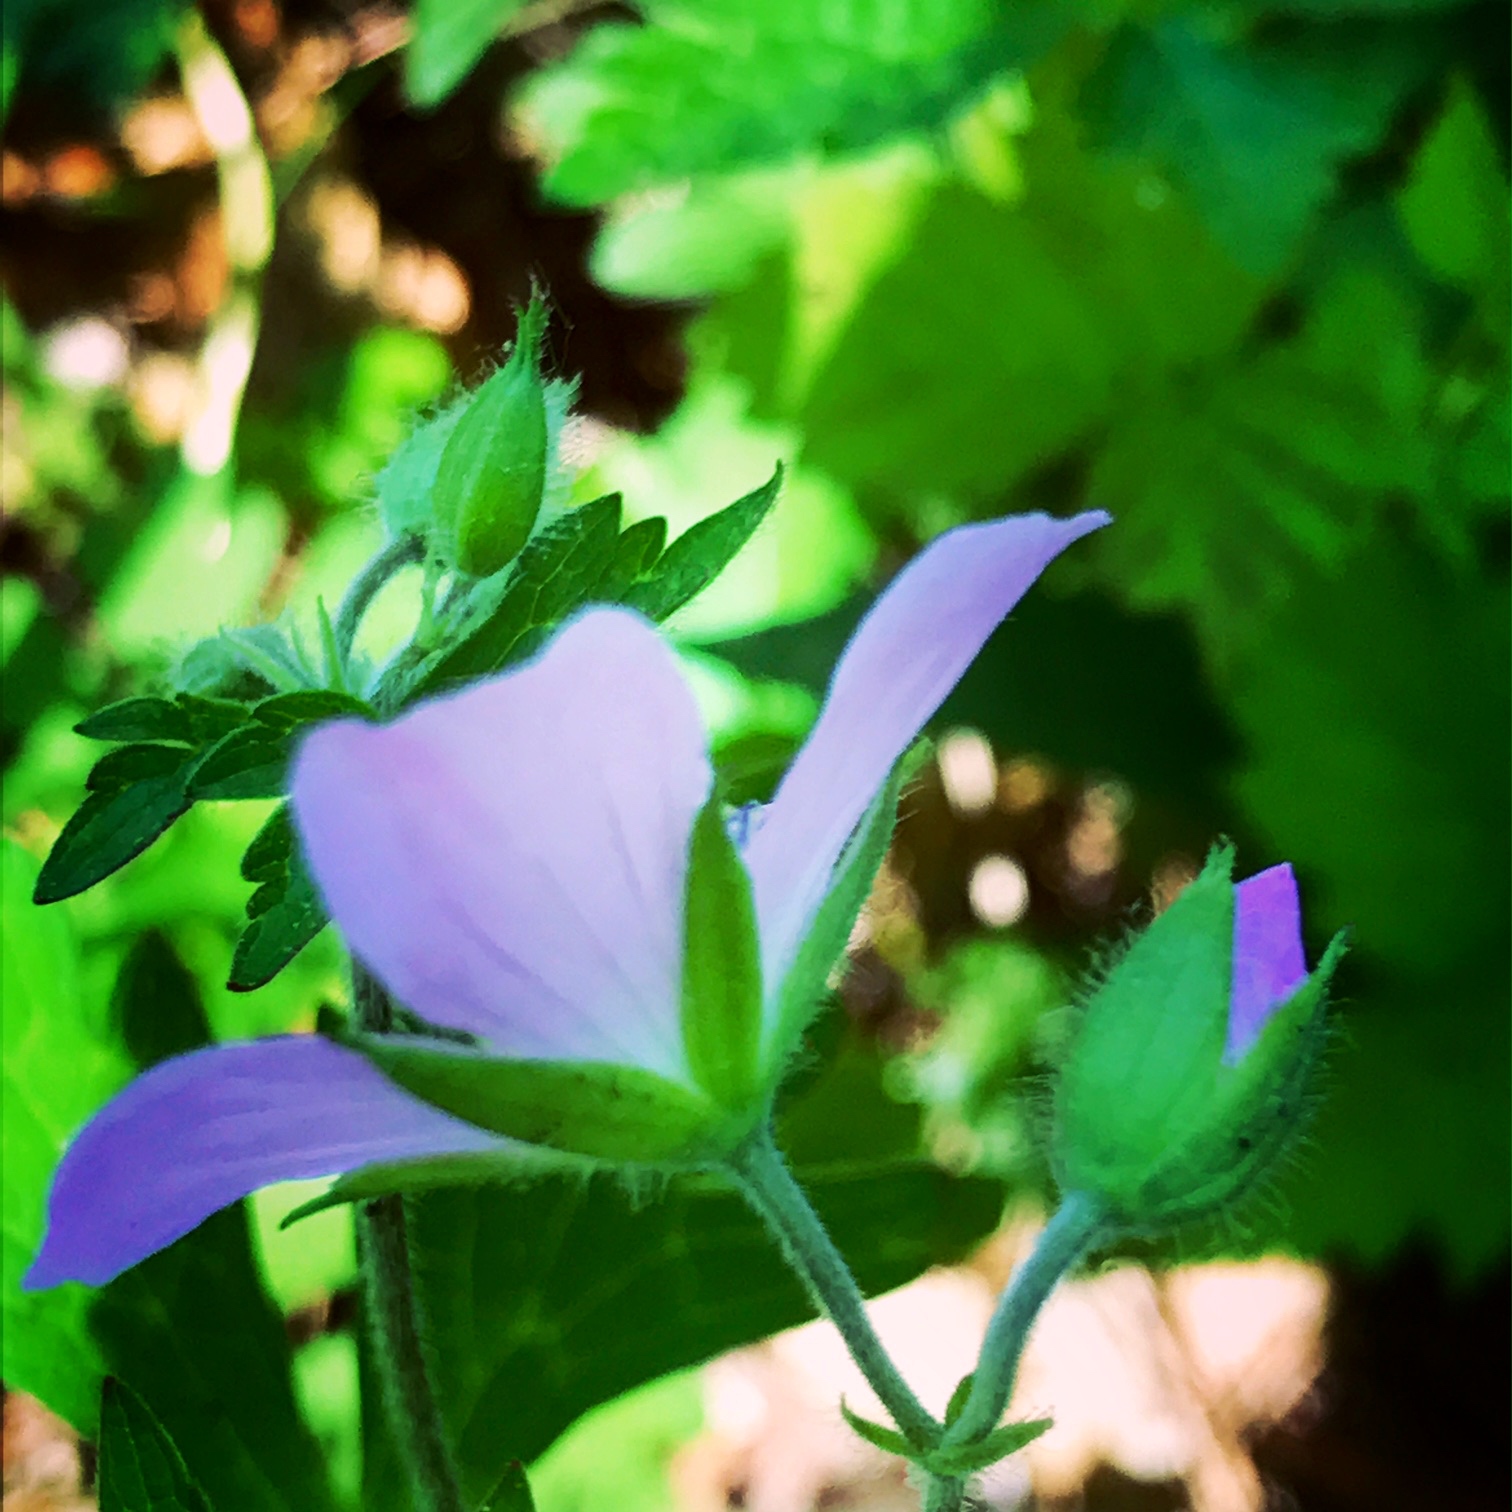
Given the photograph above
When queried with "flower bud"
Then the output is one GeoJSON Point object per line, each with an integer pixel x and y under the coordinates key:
{"type": "Point", "coordinates": [1189, 1072]}
{"type": "Point", "coordinates": [492, 475]}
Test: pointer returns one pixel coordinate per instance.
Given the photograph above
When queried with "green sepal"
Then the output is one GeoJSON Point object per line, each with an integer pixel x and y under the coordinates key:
{"type": "Point", "coordinates": [1148, 1116]}
{"type": "Point", "coordinates": [806, 983]}
{"type": "Point", "coordinates": [721, 968]}
{"type": "Point", "coordinates": [608, 1112]}
{"type": "Point", "coordinates": [956, 1460]}
{"type": "Point", "coordinates": [950, 1460]}
{"type": "Point", "coordinates": [492, 475]}
{"type": "Point", "coordinates": [888, 1440]}
{"type": "Point", "coordinates": [1140, 1076]}
{"type": "Point", "coordinates": [411, 1177]}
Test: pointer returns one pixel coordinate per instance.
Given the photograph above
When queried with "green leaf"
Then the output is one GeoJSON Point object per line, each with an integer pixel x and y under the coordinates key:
{"type": "Point", "coordinates": [635, 552]}
{"type": "Point", "coordinates": [1454, 203]}
{"type": "Point", "coordinates": [140, 1468]}
{"type": "Point", "coordinates": [56, 1072]}
{"type": "Point", "coordinates": [707, 86]}
{"type": "Point", "coordinates": [966, 1459]}
{"type": "Point", "coordinates": [139, 719]}
{"type": "Point", "coordinates": [192, 1328]}
{"type": "Point", "coordinates": [133, 763]}
{"type": "Point", "coordinates": [252, 762]}
{"type": "Point", "coordinates": [286, 711]}
{"type": "Point", "coordinates": [512, 1494]}
{"type": "Point", "coordinates": [888, 1440]}
{"type": "Point", "coordinates": [267, 857]}
{"type": "Point", "coordinates": [1258, 133]}
{"type": "Point", "coordinates": [155, 1004]}
{"type": "Point", "coordinates": [721, 967]}
{"type": "Point", "coordinates": [702, 552]}
{"type": "Point", "coordinates": [546, 1300]}
{"type": "Point", "coordinates": [557, 571]}
{"type": "Point", "coordinates": [187, 719]}
{"type": "Point", "coordinates": [111, 827]}
{"type": "Point", "coordinates": [284, 915]}
{"type": "Point", "coordinates": [449, 38]}
{"type": "Point", "coordinates": [986, 314]}
{"type": "Point", "coordinates": [582, 1107]}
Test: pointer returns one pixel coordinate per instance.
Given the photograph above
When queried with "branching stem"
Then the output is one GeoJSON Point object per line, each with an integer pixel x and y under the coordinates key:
{"type": "Point", "coordinates": [769, 1187]}
{"type": "Point", "coordinates": [1072, 1231]}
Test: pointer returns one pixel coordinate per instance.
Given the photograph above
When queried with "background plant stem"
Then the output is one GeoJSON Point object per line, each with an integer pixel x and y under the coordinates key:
{"type": "Point", "coordinates": [394, 1315]}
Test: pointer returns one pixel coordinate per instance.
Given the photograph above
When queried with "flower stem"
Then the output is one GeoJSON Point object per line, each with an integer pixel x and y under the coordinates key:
{"type": "Point", "coordinates": [394, 1315]}
{"type": "Point", "coordinates": [393, 1311]}
{"type": "Point", "coordinates": [365, 587]}
{"type": "Point", "coordinates": [769, 1187]}
{"type": "Point", "coordinates": [1073, 1230]}
{"type": "Point", "coordinates": [945, 1493]}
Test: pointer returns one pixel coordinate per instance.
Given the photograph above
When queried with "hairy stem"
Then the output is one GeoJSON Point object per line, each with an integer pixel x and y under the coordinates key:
{"type": "Point", "coordinates": [365, 587]}
{"type": "Point", "coordinates": [393, 1311]}
{"type": "Point", "coordinates": [1066, 1238]}
{"type": "Point", "coordinates": [769, 1187]}
{"type": "Point", "coordinates": [945, 1493]}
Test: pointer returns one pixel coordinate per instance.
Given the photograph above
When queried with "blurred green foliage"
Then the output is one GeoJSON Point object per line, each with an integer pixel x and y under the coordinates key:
{"type": "Point", "coordinates": [1236, 272]}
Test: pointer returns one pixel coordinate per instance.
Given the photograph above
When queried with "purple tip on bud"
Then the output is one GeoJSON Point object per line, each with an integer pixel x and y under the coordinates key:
{"type": "Point", "coordinates": [1268, 962]}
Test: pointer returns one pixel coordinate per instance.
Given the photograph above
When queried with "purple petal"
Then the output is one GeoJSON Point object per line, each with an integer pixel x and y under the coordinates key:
{"type": "Point", "coordinates": [907, 654]}
{"type": "Point", "coordinates": [202, 1130]}
{"type": "Point", "coordinates": [510, 860]}
{"type": "Point", "coordinates": [1268, 962]}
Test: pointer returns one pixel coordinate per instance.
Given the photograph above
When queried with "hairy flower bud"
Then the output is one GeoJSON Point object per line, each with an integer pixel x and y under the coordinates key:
{"type": "Point", "coordinates": [1189, 1071]}
{"type": "Point", "coordinates": [492, 475]}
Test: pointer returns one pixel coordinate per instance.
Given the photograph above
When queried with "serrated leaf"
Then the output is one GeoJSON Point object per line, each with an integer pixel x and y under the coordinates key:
{"type": "Point", "coordinates": [557, 571]}
{"type": "Point", "coordinates": [140, 1468]}
{"type": "Point", "coordinates": [448, 39]}
{"type": "Point", "coordinates": [637, 549]}
{"type": "Point", "coordinates": [267, 857]}
{"type": "Point", "coordinates": [284, 915]}
{"type": "Point", "coordinates": [702, 552]}
{"type": "Point", "coordinates": [139, 719]}
{"type": "Point", "coordinates": [251, 762]}
{"type": "Point", "coordinates": [285, 711]}
{"type": "Point", "coordinates": [721, 967]}
{"type": "Point", "coordinates": [56, 1071]}
{"type": "Point", "coordinates": [590, 1108]}
{"type": "Point", "coordinates": [133, 763]}
{"type": "Point", "coordinates": [706, 87]}
{"type": "Point", "coordinates": [967, 1459]}
{"type": "Point", "coordinates": [1257, 132]}
{"type": "Point", "coordinates": [108, 829]}
{"type": "Point", "coordinates": [888, 1440]}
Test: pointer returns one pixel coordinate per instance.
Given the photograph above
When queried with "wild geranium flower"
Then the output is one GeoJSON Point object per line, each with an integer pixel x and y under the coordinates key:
{"type": "Point", "coordinates": [1189, 1074]}
{"type": "Point", "coordinates": [536, 862]}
